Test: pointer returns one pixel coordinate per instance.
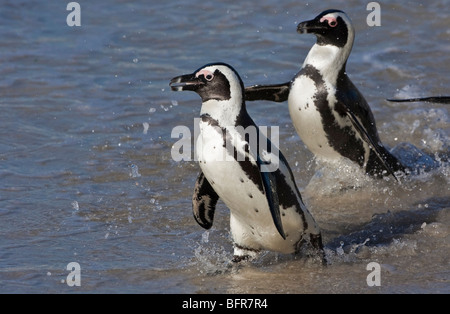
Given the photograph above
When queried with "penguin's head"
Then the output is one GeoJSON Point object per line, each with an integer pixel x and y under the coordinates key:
{"type": "Point", "coordinates": [219, 86]}
{"type": "Point", "coordinates": [332, 27]}
{"type": "Point", "coordinates": [215, 81]}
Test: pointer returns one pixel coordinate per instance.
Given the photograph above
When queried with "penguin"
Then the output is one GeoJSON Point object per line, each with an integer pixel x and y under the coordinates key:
{"type": "Point", "coordinates": [329, 113]}
{"type": "Point", "coordinates": [266, 209]}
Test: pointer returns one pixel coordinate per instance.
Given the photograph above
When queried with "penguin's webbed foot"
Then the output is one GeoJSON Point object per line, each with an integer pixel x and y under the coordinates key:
{"type": "Point", "coordinates": [239, 258]}
{"type": "Point", "coordinates": [312, 248]}
{"type": "Point", "coordinates": [242, 253]}
{"type": "Point", "coordinates": [317, 244]}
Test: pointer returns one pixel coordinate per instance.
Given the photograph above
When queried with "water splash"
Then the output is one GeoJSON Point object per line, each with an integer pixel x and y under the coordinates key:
{"type": "Point", "coordinates": [332, 178]}
{"type": "Point", "coordinates": [413, 158]}
{"type": "Point", "coordinates": [205, 237]}
{"type": "Point", "coordinates": [210, 258]}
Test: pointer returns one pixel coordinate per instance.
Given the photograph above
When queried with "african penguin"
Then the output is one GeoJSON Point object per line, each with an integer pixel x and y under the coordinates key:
{"type": "Point", "coordinates": [266, 208]}
{"type": "Point", "coordinates": [329, 113]}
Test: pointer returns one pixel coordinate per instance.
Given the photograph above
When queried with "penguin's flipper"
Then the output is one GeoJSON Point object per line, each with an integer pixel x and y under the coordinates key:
{"type": "Point", "coordinates": [366, 137]}
{"type": "Point", "coordinates": [435, 99]}
{"type": "Point", "coordinates": [270, 190]}
{"type": "Point", "coordinates": [276, 93]}
{"type": "Point", "coordinates": [204, 202]}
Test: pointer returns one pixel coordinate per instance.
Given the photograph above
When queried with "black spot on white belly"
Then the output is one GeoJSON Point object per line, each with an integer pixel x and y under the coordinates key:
{"type": "Point", "coordinates": [256, 210]}
{"type": "Point", "coordinates": [250, 195]}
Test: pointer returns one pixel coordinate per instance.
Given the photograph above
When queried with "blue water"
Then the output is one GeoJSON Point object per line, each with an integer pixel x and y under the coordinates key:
{"type": "Point", "coordinates": [86, 171]}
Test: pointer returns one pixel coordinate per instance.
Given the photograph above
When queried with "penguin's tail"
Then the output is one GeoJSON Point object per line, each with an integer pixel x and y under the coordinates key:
{"type": "Point", "coordinates": [376, 168]}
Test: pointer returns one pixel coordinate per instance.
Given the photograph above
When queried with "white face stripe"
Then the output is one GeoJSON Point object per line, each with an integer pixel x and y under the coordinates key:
{"type": "Point", "coordinates": [229, 74]}
{"type": "Point", "coordinates": [334, 16]}
{"type": "Point", "coordinates": [329, 59]}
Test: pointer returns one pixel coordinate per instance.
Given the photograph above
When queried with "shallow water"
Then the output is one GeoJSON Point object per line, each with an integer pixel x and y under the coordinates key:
{"type": "Point", "coordinates": [87, 174]}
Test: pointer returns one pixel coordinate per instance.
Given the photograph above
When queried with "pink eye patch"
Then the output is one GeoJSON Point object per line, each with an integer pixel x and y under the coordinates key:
{"type": "Point", "coordinates": [207, 74]}
{"type": "Point", "coordinates": [330, 19]}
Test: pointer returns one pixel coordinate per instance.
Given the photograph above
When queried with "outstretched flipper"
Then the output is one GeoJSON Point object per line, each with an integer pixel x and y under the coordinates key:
{"type": "Point", "coordinates": [276, 93]}
{"type": "Point", "coordinates": [435, 99]}
{"type": "Point", "coordinates": [366, 137]}
{"type": "Point", "coordinates": [204, 202]}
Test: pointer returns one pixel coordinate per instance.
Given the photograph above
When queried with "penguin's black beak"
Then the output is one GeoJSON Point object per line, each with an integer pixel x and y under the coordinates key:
{"type": "Point", "coordinates": [311, 27]}
{"type": "Point", "coordinates": [185, 82]}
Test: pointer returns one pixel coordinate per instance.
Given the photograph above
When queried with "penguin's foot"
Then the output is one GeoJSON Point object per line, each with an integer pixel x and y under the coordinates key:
{"type": "Point", "coordinates": [242, 253]}
{"type": "Point", "coordinates": [240, 258]}
{"type": "Point", "coordinates": [316, 241]}
{"type": "Point", "coordinates": [312, 248]}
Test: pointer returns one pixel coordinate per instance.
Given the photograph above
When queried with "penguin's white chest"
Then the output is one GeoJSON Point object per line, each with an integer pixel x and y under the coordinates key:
{"type": "Point", "coordinates": [251, 223]}
{"type": "Point", "coordinates": [307, 119]}
{"type": "Point", "coordinates": [224, 173]}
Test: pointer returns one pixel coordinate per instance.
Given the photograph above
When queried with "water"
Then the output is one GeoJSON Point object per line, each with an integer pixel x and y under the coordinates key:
{"type": "Point", "coordinates": [87, 175]}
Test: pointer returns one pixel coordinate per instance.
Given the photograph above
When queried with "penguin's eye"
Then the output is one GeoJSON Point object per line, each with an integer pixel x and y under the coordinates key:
{"type": "Point", "coordinates": [209, 77]}
{"type": "Point", "coordinates": [332, 23]}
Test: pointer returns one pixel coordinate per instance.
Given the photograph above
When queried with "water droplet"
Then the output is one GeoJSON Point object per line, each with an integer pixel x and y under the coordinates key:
{"type": "Point", "coordinates": [340, 250]}
{"type": "Point", "coordinates": [205, 237]}
{"type": "Point", "coordinates": [75, 205]}
{"type": "Point", "coordinates": [135, 171]}
{"type": "Point", "coordinates": [146, 126]}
